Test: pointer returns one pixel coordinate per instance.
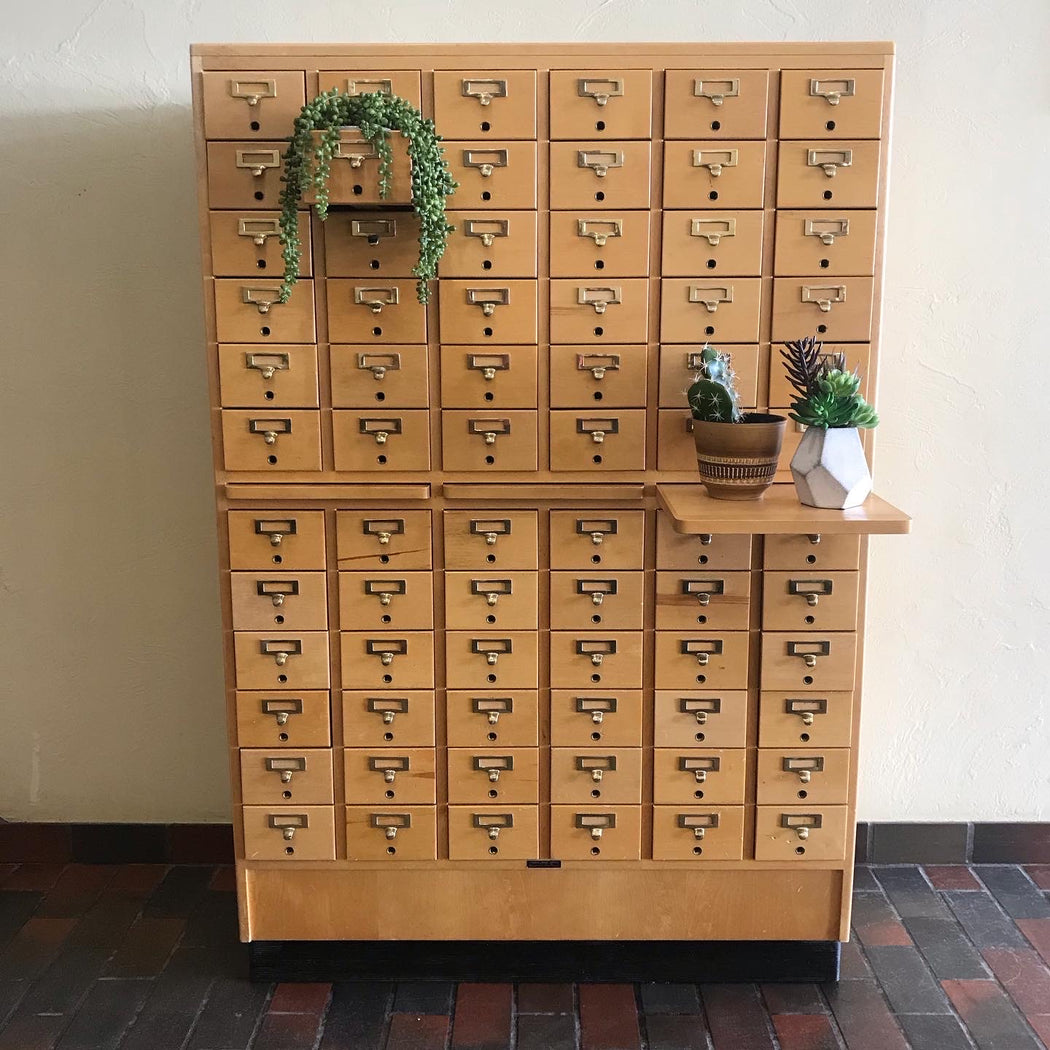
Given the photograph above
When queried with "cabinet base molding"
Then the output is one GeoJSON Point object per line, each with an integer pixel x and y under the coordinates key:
{"type": "Point", "coordinates": [518, 961]}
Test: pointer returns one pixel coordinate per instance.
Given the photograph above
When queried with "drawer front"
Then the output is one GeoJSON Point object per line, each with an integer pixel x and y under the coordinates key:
{"type": "Point", "coordinates": [477, 104]}
{"type": "Point", "coordinates": [375, 540]}
{"type": "Point", "coordinates": [680, 364]}
{"type": "Point", "coordinates": [685, 718]}
{"type": "Point", "coordinates": [582, 601]}
{"type": "Point", "coordinates": [238, 105]}
{"type": "Point", "coordinates": [803, 660]}
{"type": "Point", "coordinates": [289, 832]}
{"type": "Point", "coordinates": [723, 174]}
{"type": "Point", "coordinates": [480, 718]}
{"type": "Point", "coordinates": [388, 718]}
{"type": "Point", "coordinates": [271, 660]}
{"type": "Point", "coordinates": [496, 774]}
{"type": "Point", "coordinates": [279, 719]}
{"type": "Point", "coordinates": [488, 311]}
{"type": "Point", "coordinates": [685, 775]}
{"type": "Point", "coordinates": [599, 244]}
{"type": "Point", "coordinates": [587, 540]}
{"type": "Point", "coordinates": [479, 660]}
{"type": "Point", "coordinates": [247, 311]}
{"type": "Point", "coordinates": [715, 103]}
{"type": "Point", "coordinates": [398, 439]}
{"type": "Point", "coordinates": [726, 310]}
{"type": "Point", "coordinates": [497, 175]}
{"type": "Point", "coordinates": [803, 774]}
{"type": "Point", "coordinates": [596, 832]}
{"type": "Point", "coordinates": [390, 775]}
{"type": "Point", "coordinates": [839, 308]}
{"type": "Point", "coordinates": [800, 833]}
{"type": "Point", "coordinates": [481, 600]}
{"type": "Point", "coordinates": [718, 243]}
{"type": "Point", "coordinates": [592, 718]}
{"type": "Point", "coordinates": [371, 245]}
{"type": "Point", "coordinates": [245, 174]}
{"type": "Point", "coordinates": [387, 659]}
{"type": "Point", "coordinates": [393, 601]}
{"type": "Point", "coordinates": [830, 103]}
{"type": "Point", "coordinates": [493, 832]}
{"type": "Point", "coordinates": [246, 243]}
{"type": "Point", "coordinates": [490, 244]}
{"type": "Point", "coordinates": [675, 450]}
{"type": "Point", "coordinates": [780, 393]}
{"type": "Point", "coordinates": [611, 103]}
{"type": "Point", "coordinates": [592, 377]}
{"type": "Point", "coordinates": [473, 377]}
{"type": "Point", "coordinates": [261, 539]}
{"type": "Point", "coordinates": [373, 377]}
{"type": "Point", "coordinates": [698, 832]}
{"type": "Point", "coordinates": [828, 174]}
{"type": "Point", "coordinates": [474, 539]}
{"type": "Point", "coordinates": [385, 311]}
{"type": "Point", "coordinates": [271, 377]}
{"type": "Point", "coordinates": [590, 775]}
{"type": "Point", "coordinates": [254, 441]}
{"type": "Point", "coordinates": [593, 310]}
{"type": "Point", "coordinates": [286, 777]}
{"type": "Point", "coordinates": [501, 440]}
{"type": "Point", "coordinates": [701, 659]}
{"type": "Point", "coordinates": [354, 177]}
{"type": "Point", "coordinates": [596, 659]}
{"type": "Point", "coordinates": [262, 601]}
{"type": "Point", "coordinates": [675, 551]}
{"type": "Point", "coordinates": [807, 719]}
{"type": "Point", "coordinates": [809, 553]}
{"type": "Point", "coordinates": [834, 244]}
{"type": "Point", "coordinates": [391, 832]}
{"type": "Point", "coordinates": [600, 175]}
{"type": "Point", "coordinates": [401, 82]}
{"type": "Point", "coordinates": [719, 601]}
{"type": "Point", "coordinates": [598, 442]}
{"type": "Point", "coordinates": [793, 601]}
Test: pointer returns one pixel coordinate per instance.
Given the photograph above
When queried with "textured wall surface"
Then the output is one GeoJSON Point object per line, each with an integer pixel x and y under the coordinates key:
{"type": "Point", "coordinates": [111, 698]}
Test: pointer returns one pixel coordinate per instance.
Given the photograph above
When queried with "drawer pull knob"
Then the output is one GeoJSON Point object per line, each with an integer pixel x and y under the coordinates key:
{"type": "Point", "coordinates": [596, 833]}
{"type": "Point", "coordinates": [833, 91]}
{"type": "Point", "coordinates": [389, 774]}
{"type": "Point", "coordinates": [280, 659]}
{"type": "Point", "coordinates": [598, 436]}
{"type": "Point", "coordinates": [598, 371]}
{"type": "Point", "coordinates": [491, 658]}
{"type": "Point", "coordinates": [701, 718]}
{"type": "Point", "coordinates": [705, 539]}
{"type": "Point", "coordinates": [814, 537]}
{"type": "Point", "coordinates": [390, 830]}
{"type": "Point", "coordinates": [383, 537]}
{"type": "Point", "coordinates": [812, 599]}
{"type": "Point", "coordinates": [489, 373]}
{"type": "Point", "coordinates": [703, 659]}
{"type": "Point", "coordinates": [598, 597]}
{"type": "Point", "coordinates": [490, 437]}
{"type": "Point", "coordinates": [597, 717]}
{"type": "Point", "coordinates": [493, 717]}
{"type": "Point", "coordinates": [269, 372]}
{"type": "Point", "coordinates": [276, 538]}
{"type": "Point", "coordinates": [597, 658]}
{"type": "Point", "coordinates": [288, 833]}
{"type": "Point", "coordinates": [286, 776]}
{"type": "Point", "coordinates": [811, 659]}
{"type": "Point", "coordinates": [698, 831]}
{"type": "Point", "coordinates": [385, 598]}
{"type": "Point", "coordinates": [282, 718]}
{"type": "Point", "coordinates": [704, 598]}
{"type": "Point", "coordinates": [805, 775]}
{"type": "Point", "coordinates": [701, 775]}
{"type": "Point", "coordinates": [277, 599]}
{"type": "Point", "coordinates": [493, 772]}
{"type": "Point", "coordinates": [488, 239]}
{"type": "Point", "coordinates": [381, 436]}
{"type": "Point", "coordinates": [807, 718]}
{"type": "Point", "coordinates": [596, 775]}
{"type": "Point", "coordinates": [378, 371]}
{"type": "Point", "coordinates": [490, 539]}
{"type": "Point", "coordinates": [597, 537]}
{"type": "Point", "coordinates": [386, 659]}
{"type": "Point", "coordinates": [491, 598]}
{"type": "Point", "coordinates": [803, 832]}
{"type": "Point", "coordinates": [388, 717]}
{"type": "Point", "coordinates": [270, 437]}
{"type": "Point", "coordinates": [493, 832]}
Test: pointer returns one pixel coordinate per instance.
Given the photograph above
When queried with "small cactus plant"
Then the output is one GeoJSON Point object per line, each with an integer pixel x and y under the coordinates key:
{"type": "Point", "coordinates": [712, 396]}
{"type": "Point", "coordinates": [827, 395]}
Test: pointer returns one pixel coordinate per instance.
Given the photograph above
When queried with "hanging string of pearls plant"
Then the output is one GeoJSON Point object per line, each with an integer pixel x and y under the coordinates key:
{"type": "Point", "coordinates": [308, 160]}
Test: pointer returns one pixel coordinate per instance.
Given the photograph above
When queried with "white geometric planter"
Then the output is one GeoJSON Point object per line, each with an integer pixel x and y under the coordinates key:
{"type": "Point", "coordinates": [830, 470]}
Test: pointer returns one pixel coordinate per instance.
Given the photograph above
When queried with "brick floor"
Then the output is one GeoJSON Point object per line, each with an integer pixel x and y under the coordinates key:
{"type": "Point", "coordinates": [120, 957]}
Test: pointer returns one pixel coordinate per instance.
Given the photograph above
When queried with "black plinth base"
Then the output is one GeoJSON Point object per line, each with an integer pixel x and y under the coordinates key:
{"type": "Point", "coordinates": [680, 961]}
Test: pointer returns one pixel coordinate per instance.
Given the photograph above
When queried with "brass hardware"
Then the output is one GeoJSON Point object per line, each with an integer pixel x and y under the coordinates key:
{"type": "Point", "coordinates": [390, 823]}
{"type": "Point", "coordinates": [599, 298]}
{"type": "Point", "coordinates": [385, 590]}
{"type": "Point", "coordinates": [282, 709]}
{"type": "Point", "coordinates": [596, 706]}
{"type": "Point", "coordinates": [376, 298]}
{"type": "Point", "coordinates": [276, 590]}
{"type": "Point", "coordinates": [491, 648]}
{"type": "Point", "coordinates": [389, 766]}
{"type": "Point", "coordinates": [710, 295]}
{"type": "Point", "coordinates": [281, 649]}
{"type": "Point", "coordinates": [599, 161]}
{"type": "Point", "coordinates": [699, 766]}
{"type": "Point", "coordinates": [833, 91]}
{"type": "Point", "coordinates": [257, 160]}
{"type": "Point", "coordinates": [488, 428]}
{"type": "Point", "coordinates": [269, 428]}
{"type": "Point", "coordinates": [276, 529]}
{"type": "Point", "coordinates": [597, 589]}
{"type": "Point", "coordinates": [599, 88]}
{"type": "Point", "coordinates": [811, 590]}
{"type": "Point", "coordinates": [801, 823]}
{"type": "Point", "coordinates": [706, 539]}
{"type": "Point", "coordinates": [595, 823]}
{"type": "Point", "coordinates": [386, 649]}
{"type": "Point", "coordinates": [490, 529]}
{"type": "Point", "coordinates": [826, 229]}
{"type": "Point", "coordinates": [598, 364]}
{"type": "Point", "coordinates": [596, 765]}
{"type": "Point", "coordinates": [383, 529]}
{"type": "Point", "coordinates": [492, 707]}
{"type": "Point", "coordinates": [597, 428]}
{"type": "Point", "coordinates": [488, 299]}
{"type": "Point", "coordinates": [803, 767]}
{"type": "Point", "coordinates": [716, 90]}
{"type": "Point", "coordinates": [689, 647]}
{"type": "Point", "coordinates": [288, 823]}
{"type": "Point", "coordinates": [267, 364]}
{"type": "Point", "coordinates": [806, 708]}
{"type": "Point", "coordinates": [483, 90]}
{"type": "Point", "coordinates": [703, 589]}
{"type": "Point", "coordinates": [372, 87]}
{"type": "Point", "coordinates": [486, 229]}
{"type": "Point", "coordinates": [491, 589]}
{"type": "Point", "coordinates": [373, 229]}
{"type": "Point", "coordinates": [252, 91]}
{"type": "Point", "coordinates": [379, 364]}
{"type": "Point", "coordinates": [829, 160]}
{"type": "Point", "coordinates": [379, 428]}
{"type": "Point", "coordinates": [497, 158]}
{"type": "Point", "coordinates": [713, 230]}
{"type": "Point", "coordinates": [698, 823]}
{"type": "Point", "coordinates": [492, 823]}
{"type": "Point", "coordinates": [263, 299]}
{"type": "Point", "coordinates": [700, 707]}
{"type": "Point", "coordinates": [258, 229]}
{"type": "Point", "coordinates": [488, 364]}
{"type": "Point", "coordinates": [824, 295]}
{"type": "Point", "coordinates": [600, 230]}
{"type": "Point", "coordinates": [596, 528]}
{"type": "Point", "coordinates": [285, 766]}
{"type": "Point", "coordinates": [823, 648]}
{"type": "Point", "coordinates": [597, 649]}
{"type": "Point", "coordinates": [354, 148]}
{"type": "Point", "coordinates": [387, 707]}
{"type": "Point", "coordinates": [493, 765]}
{"type": "Point", "coordinates": [814, 537]}
{"type": "Point", "coordinates": [716, 160]}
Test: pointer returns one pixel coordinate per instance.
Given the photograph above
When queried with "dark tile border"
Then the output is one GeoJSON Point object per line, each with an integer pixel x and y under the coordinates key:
{"type": "Point", "coordinates": [883, 843]}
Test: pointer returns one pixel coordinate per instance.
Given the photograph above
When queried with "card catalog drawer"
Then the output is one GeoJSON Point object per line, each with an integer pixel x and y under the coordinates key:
{"type": "Point", "coordinates": [398, 439]}
{"type": "Point", "coordinates": [375, 539]}
{"type": "Point", "coordinates": [614, 103]}
{"type": "Point", "coordinates": [686, 718]}
{"type": "Point", "coordinates": [484, 718]}
{"type": "Point", "coordinates": [497, 175]}
{"type": "Point", "coordinates": [833, 244]}
{"type": "Point", "coordinates": [245, 174]}
{"type": "Point", "coordinates": [809, 601]}
{"type": "Point", "coordinates": [286, 777]}
{"type": "Point", "coordinates": [587, 600]}
{"type": "Point", "coordinates": [592, 774]}
{"type": "Point", "coordinates": [791, 775]}
{"type": "Point", "coordinates": [246, 243]}
{"type": "Point", "coordinates": [290, 601]}
{"type": "Point", "coordinates": [389, 775]}
{"type": "Point", "coordinates": [828, 174]}
{"type": "Point", "coordinates": [615, 441]}
{"type": "Point", "coordinates": [701, 659]}
{"type": "Point", "coordinates": [607, 376]}
{"type": "Point", "coordinates": [354, 177]}
{"type": "Point", "coordinates": [603, 243]}
{"type": "Point", "coordinates": [715, 103]}
{"type": "Point", "coordinates": [500, 539]}
{"type": "Point", "coordinates": [719, 244]}
{"type": "Point", "coordinates": [270, 660]}
{"type": "Point", "coordinates": [839, 308]}
{"type": "Point", "coordinates": [479, 311]}
{"type": "Point", "coordinates": [496, 774]}
{"type": "Point", "coordinates": [593, 311]}
{"type": "Point", "coordinates": [385, 311]}
{"type": "Point", "coordinates": [387, 659]}
{"type": "Point", "coordinates": [480, 600]}
{"type": "Point", "coordinates": [373, 377]}
{"type": "Point", "coordinates": [260, 539]}
{"type": "Point", "coordinates": [478, 660]}
{"type": "Point", "coordinates": [371, 245]}
{"type": "Point", "coordinates": [253, 441]}
{"type": "Point", "coordinates": [388, 718]}
{"type": "Point", "coordinates": [698, 832]}
{"type": "Point", "coordinates": [248, 310]}
{"type": "Point", "coordinates": [596, 832]}
{"type": "Point", "coordinates": [596, 659]}
{"type": "Point", "coordinates": [677, 551]}
{"type": "Point", "coordinates": [587, 540]}
{"type": "Point", "coordinates": [263, 376]}
{"type": "Point", "coordinates": [675, 448]}
{"type": "Point", "coordinates": [802, 660]}
{"type": "Point", "coordinates": [355, 82]}
{"type": "Point", "coordinates": [720, 601]}
{"type": "Point", "coordinates": [252, 102]}
{"type": "Point", "coordinates": [590, 717]}
{"type": "Point", "coordinates": [800, 833]}
{"type": "Point", "coordinates": [391, 832]}
{"type": "Point", "coordinates": [474, 377]}
{"type": "Point", "coordinates": [487, 832]}
{"type": "Point", "coordinates": [685, 775]}
{"type": "Point", "coordinates": [289, 832]}
{"type": "Point", "coordinates": [825, 552]}
{"type": "Point", "coordinates": [281, 719]}
{"type": "Point", "coordinates": [714, 174]}
{"type": "Point", "coordinates": [812, 719]}
{"type": "Point", "coordinates": [476, 104]}
{"type": "Point", "coordinates": [479, 440]}
{"type": "Point", "coordinates": [726, 310]}
{"type": "Point", "coordinates": [599, 175]}
{"type": "Point", "coordinates": [386, 600]}
{"type": "Point", "coordinates": [490, 244]}
{"type": "Point", "coordinates": [830, 103]}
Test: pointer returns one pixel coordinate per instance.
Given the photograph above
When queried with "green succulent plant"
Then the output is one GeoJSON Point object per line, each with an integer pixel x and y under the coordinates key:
{"type": "Point", "coordinates": [308, 159]}
{"type": "Point", "coordinates": [827, 395]}
{"type": "Point", "coordinates": [712, 395]}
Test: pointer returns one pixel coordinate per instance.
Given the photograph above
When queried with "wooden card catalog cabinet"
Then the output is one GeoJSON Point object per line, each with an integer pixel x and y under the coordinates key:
{"type": "Point", "coordinates": [486, 637]}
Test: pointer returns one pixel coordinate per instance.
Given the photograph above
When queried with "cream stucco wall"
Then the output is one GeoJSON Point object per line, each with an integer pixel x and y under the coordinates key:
{"type": "Point", "coordinates": [110, 689]}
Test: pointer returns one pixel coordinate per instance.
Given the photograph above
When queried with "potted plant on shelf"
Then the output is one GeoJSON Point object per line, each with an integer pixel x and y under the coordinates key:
{"type": "Point", "coordinates": [829, 467]}
{"type": "Point", "coordinates": [736, 451]}
{"type": "Point", "coordinates": [307, 166]}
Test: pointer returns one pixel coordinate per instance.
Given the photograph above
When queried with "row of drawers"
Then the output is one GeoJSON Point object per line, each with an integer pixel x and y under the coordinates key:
{"type": "Point", "coordinates": [607, 245]}
{"type": "Point", "coordinates": [694, 833]}
{"type": "Point", "coordinates": [482, 312]}
{"type": "Point", "coordinates": [594, 775]}
{"type": "Point", "coordinates": [598, 175]}
{"type": "Point", "coordinates": [509, 659]}
{"type": "Point", "coordinates": [577, 718]}
{"type": "Point", "coordinates": [616, 103]}
{"type": "Point", "coordinates": [509, 599]}
{"type": "Point", "coordinates": [509, 539]}
{"type": "Point", "coordinates": [259, 376]}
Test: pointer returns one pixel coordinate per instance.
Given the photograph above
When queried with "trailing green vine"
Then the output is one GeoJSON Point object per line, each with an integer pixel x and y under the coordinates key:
{"type": "Point", "coordinates": [308, 161]}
